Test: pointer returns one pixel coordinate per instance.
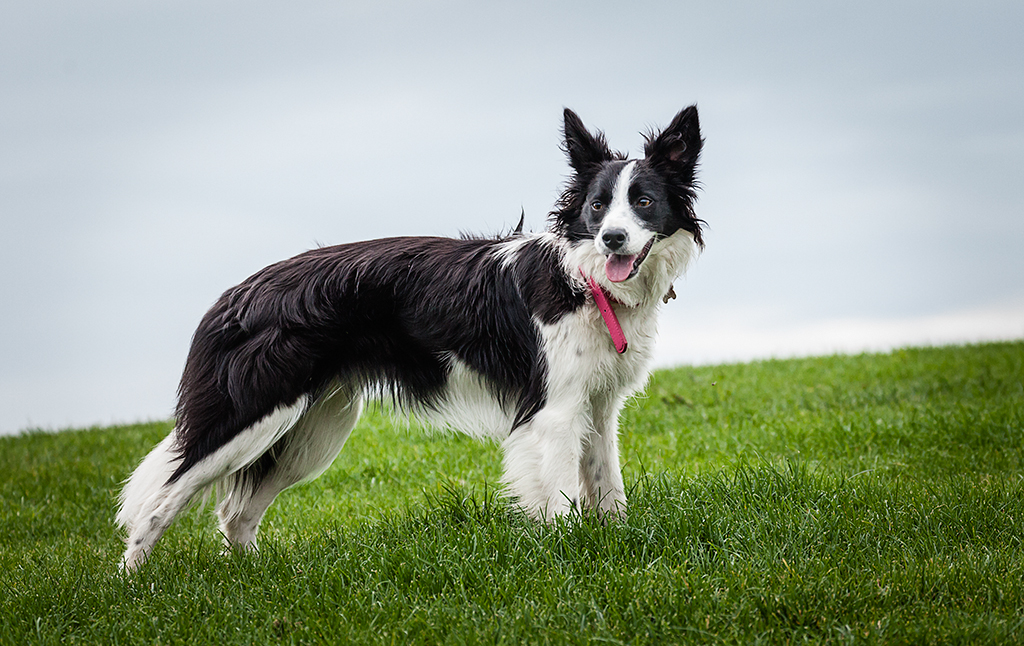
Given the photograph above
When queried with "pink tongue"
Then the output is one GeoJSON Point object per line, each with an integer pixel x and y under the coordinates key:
{"type": "Point", "coordinates": [618, 267]}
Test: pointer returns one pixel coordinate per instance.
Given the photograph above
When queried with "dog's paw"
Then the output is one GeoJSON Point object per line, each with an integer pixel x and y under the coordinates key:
{"type": "Point", "coordinates": [612, 511]}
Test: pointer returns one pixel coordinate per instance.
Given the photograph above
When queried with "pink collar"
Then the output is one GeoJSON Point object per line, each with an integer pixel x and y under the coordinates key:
{"type": "Point", "coordinates": [603, 300]}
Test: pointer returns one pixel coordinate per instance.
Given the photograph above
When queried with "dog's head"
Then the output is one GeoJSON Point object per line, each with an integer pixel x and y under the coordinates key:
{"type": "Point", "coordinates": [620, 212]}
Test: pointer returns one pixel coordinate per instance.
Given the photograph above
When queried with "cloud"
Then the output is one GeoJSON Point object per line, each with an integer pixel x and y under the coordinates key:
{"type": "Point", "coordinates": [722, 337]}
{"type": "Point", "coordinates": [861, 162]}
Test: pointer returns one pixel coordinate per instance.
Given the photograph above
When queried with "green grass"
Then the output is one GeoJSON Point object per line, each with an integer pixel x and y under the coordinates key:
{"type": "Point", "coordinates": [865, 499]}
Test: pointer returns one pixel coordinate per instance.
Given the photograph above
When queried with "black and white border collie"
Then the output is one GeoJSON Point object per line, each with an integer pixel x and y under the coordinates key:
{"type": "Point", "coordinates": [522, 339]}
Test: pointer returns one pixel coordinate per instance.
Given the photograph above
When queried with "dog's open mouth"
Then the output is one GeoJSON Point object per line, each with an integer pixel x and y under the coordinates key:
{"type": "Point", "coordinates": [620, 268]}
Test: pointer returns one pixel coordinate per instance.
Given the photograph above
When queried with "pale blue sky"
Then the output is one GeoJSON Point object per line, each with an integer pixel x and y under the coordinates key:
{"type": "Point", "coordinates": [862, 167]}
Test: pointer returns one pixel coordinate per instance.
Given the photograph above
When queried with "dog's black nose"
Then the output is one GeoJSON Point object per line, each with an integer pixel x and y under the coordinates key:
{"type": "Point", "coordinates": [614, 239]}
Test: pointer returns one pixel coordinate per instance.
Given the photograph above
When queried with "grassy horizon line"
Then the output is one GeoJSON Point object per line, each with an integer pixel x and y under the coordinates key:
{"type": "Point", "coordinates": [872, 498]}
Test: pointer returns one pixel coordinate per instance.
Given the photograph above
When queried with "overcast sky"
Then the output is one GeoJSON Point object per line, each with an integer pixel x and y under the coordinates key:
{"type": "Point", "coordinates": [862, 168]}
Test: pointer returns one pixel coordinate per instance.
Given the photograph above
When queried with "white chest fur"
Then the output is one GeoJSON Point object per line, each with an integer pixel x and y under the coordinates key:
{"type": "Point", "coordinates": [581, 356]}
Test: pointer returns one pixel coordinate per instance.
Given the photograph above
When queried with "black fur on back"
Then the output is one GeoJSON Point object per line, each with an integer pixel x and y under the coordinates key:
{"type": "Point", "coordinates": [386, 314]}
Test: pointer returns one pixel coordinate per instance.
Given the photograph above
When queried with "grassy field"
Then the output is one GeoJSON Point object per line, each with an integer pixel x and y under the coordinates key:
{"type": "Point", "coordinates": [866, 499]}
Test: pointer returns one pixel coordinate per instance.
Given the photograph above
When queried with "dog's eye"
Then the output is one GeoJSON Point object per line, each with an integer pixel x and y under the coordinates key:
{"type": "Point", "coordinates": [597, 205]}
{"type": "Point", "coordinates": [644, 202]}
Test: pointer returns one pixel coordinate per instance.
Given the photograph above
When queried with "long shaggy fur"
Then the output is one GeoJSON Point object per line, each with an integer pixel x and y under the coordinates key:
{"type": "Point", "coordinates": [498, 337]}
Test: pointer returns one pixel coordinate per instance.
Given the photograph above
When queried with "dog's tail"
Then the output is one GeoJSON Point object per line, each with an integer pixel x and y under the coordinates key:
{"type": "Point", "coordinates": [146, 481]}
{"type": "Point", "coordinates": [155, 493]}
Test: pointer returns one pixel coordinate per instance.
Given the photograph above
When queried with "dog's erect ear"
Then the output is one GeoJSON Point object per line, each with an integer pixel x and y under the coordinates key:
{"type": "Point", "coordinates": [583, 148]}
{"type": "Point", "coordinates": [674, 151]}
{"type": "Point", "coordinates": [679, 143]}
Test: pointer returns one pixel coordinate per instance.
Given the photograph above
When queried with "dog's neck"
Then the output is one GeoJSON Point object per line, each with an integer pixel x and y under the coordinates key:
{"type": "Point", "coordinates": [604, 305]}
{"type": "Point", "coordinates": [604, 301]}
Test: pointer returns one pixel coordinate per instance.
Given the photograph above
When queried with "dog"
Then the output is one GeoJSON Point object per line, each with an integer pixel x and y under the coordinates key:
{"type": "Point", "coordinates": [533, 340]}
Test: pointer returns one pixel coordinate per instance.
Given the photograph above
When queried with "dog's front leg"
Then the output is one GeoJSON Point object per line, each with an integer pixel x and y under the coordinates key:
{"type": "Point", "coordinates": [600, 473]}
{"type": "Point", "coordinates": [542, 461]}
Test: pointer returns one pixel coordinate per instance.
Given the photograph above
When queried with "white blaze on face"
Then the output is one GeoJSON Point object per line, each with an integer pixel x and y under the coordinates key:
{"type": "Point", "coordinates": [619, 209]}
{"type": "Point", "coordinates": [620, 217]}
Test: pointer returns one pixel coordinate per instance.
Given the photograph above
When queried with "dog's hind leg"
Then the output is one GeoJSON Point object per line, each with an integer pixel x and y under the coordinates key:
{"type": "Point", "coordinates": [150, 500]}
{"type": "Point", "coordinates": [301, 455]}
